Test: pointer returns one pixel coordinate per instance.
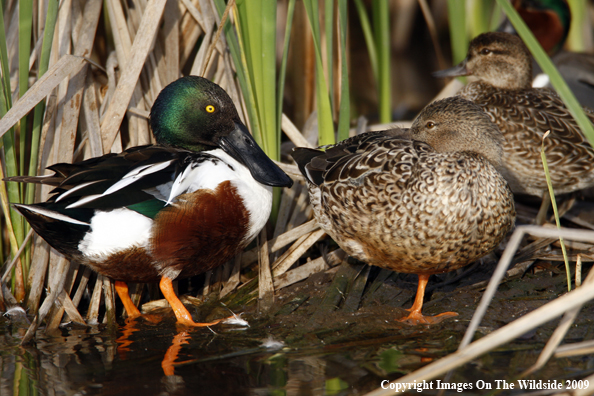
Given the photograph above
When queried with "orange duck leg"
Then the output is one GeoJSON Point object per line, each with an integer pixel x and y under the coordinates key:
{"type": "Point", "coordinates": [415, 316]}
{"type": "Point", "coordinates": [181, 313]}
{"type": "Point", "coordinates": [131, 309]}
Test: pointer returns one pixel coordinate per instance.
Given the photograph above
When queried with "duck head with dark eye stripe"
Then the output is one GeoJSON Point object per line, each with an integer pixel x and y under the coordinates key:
{"type": "Point", "coordinates": [499, 59]}
{"type": "Point", "coordinates": [454, 125]}
{"type": "Point", "coordinates": [195, 114]}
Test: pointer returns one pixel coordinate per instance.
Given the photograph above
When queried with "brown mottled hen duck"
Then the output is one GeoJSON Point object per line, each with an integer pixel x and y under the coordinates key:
{"type": "Point", "coordinates": [425, 205]}
{"type": "Point", "coordinates": [501, 65]}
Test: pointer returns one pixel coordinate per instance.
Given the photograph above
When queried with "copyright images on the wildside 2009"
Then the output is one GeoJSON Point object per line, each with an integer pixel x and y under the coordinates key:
{"type": "Point", "coordinates": [487, 385]}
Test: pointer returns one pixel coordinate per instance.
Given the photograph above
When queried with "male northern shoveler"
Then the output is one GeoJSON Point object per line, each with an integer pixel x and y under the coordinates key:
{"type": "Point", "coordinates": [502, 67]}
{"type": "Point", "coordinates": [549, 21]}
{"type": "Point", "coordinates": [423, 206]}
{"type": "Point", "coordinates": [167, 211]}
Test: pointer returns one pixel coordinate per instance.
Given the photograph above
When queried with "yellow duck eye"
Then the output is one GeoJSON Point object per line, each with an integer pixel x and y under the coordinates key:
{"type": "Point", "coordinates": [209, 109]}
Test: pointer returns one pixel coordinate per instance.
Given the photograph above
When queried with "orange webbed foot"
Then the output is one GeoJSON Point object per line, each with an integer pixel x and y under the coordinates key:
{"type": "Point", "coordinates": [181, 313]}
{"type": "Point", "coordinates": [151, 318]}
{"type": "Point", "coordinates": [417, 318]}
{"type": "Point", "coordinates": [189, 322]}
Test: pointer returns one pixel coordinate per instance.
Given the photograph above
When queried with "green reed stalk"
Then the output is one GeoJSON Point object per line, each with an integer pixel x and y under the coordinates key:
{"type": "Point", "coordinates": [5, 101]}
{"type": "Point", "coordinates": [329, 35]}
{"type": "Point", "coordinates": [257, 25]}
{"type": "Point", "coordinates": [344, 116]}
{"type": "Point", "coordinates": [8, 138]}
{"type": "Point", "coordinates": [381, 20]}
{"type": "Point", "coordinates": [14, 191]}
{"type": "Point", "coordinates": [495, 19]}
{"type": "Point", "coordinates": [458, 38]}
{"type": "Point", "coordinates": [238, 56]}
{"type": "Point", "coordinates": [325, 123]}
{"type": "Point", "coordinates": [283, 66]}
{"type": "Point", "coordinates": [368, 35]}
{"type": "Point", "coordinates": [555, 211]}
{"type": "Point", "coordinates": [579, 12]}
{"type": "Point", "coordinates": [480, 16]}
{"type": "Point", "coordinates": [48, 35]}
{"type": "Point", "coordinates": [25, 28]}
{"type": "Point", "coordinates": [5, 95]}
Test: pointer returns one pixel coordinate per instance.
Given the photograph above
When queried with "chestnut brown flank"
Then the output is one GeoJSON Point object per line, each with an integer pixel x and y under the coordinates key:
{"type": "Point", "coordinates": [204, 230]}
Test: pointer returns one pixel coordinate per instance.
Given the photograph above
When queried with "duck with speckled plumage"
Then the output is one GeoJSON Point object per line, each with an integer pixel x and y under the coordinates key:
{"type": "Point", "coordinates": [500, 67]}
{"type": "Point", "coordinates": [426, 203]}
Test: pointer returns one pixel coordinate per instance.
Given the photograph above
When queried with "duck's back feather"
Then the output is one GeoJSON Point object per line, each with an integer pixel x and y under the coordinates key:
{"type": "Point", "coordinates": [524, 116]}
{"type": "Point", "coordinates": [138, 178]}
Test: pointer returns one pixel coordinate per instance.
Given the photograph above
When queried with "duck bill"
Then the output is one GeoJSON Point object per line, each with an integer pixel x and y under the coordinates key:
{"type": "Point", "coordinates": [241, 145]}
{"type": "Point", "coordinates": [456, 71]}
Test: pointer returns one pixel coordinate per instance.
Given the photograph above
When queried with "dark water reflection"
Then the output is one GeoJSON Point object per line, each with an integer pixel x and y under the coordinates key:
{"type": "Point", "coordinates": [157, 359]}
{"type": "Point", "coordinates": [144, 358]}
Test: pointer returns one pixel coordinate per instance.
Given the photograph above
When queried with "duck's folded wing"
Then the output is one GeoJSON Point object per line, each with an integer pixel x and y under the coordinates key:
{"type": "Point", "coordinates": [139, 179]}
{"type": "Point", "coordinates": [539, 111]}
{"type": "Point", "coordinates": [329, 163]}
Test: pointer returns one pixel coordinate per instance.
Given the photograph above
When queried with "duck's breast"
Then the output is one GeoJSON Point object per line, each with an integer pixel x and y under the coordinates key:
{"type": "Point", "coordinates": [421, 212]}
{"type": "Point", "coordinates": [456, 208]}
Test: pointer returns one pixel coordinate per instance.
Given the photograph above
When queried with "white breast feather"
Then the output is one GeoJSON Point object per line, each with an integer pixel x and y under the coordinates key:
{"type": "Point", "coordinates": [257, 197]}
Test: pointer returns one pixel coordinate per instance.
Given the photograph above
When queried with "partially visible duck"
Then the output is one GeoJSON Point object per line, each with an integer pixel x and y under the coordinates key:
{"type": "Point", "coordinates": [549, 21]}
{"type": "Point", "coordinates": [501, 68]}
{"type": "Point", "coordinates": [424, 205]}
{"type": "Point", "coordinates": [167, 211]}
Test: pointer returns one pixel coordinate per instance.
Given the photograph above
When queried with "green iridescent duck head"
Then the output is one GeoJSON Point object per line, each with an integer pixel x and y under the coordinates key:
{"type": "Point", "coordinates": [193, 113]}
{"type": "Point", "coordinates": [196, 114]}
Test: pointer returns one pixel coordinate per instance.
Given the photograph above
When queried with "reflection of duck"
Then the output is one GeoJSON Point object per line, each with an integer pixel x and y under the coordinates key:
{"type": "Point", "coordinates": [549, 21]}
{"type": "Point", "coordinates": [158, 213]}
{"type": "Point", "coordinates": [422, 206]}
{"type": "Point", "coordinates": [124, 341]}
{"type": "Point", "coordinates": [173, 351]}
{"type": "Point", "coordinates": [502, 66]}
{"type": "Point", "coordinates": [306, 376]}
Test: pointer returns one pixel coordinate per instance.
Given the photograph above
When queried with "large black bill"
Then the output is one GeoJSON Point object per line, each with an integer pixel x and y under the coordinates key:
{"type": "Point", "coordinates": [241, 145]}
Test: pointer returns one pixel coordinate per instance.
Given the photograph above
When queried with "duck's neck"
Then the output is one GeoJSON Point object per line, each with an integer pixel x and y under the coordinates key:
{"type": "Point", "coordinates": [477, 91]}
{"type": "Point", "coordinates": [508, 75]}
{"type": "Point", "coordinates": [196, 148]}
